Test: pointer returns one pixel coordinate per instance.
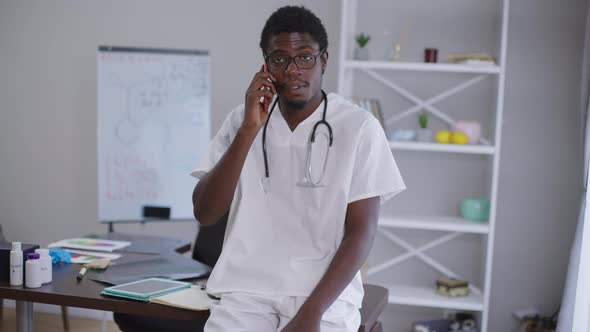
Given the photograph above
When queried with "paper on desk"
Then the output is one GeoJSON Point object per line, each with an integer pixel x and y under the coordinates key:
{"type": "Point", "coordinates": [90, 244]}
{"type": "Point", "coordinates": [83, 257]}
{"type": "Point", "coordinates": [193, 298]}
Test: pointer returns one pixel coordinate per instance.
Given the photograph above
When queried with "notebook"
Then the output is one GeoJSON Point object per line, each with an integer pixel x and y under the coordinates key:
{"type": "Point", "coordinates": [192, 298]}
{"type": "Point", "coordinates": [164, 291]}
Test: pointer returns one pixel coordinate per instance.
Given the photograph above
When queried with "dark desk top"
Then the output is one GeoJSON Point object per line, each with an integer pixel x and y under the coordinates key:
{"type": "Point", "coordinates": [65, 290]}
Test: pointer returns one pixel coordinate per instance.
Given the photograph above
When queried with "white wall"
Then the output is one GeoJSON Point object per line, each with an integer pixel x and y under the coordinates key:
{"type": "Point", "coordinates": [48, 127]}
{"type": "Point", "coordinates": [541, 173]}
{"type": "Point", "coordinates": [48, 94]}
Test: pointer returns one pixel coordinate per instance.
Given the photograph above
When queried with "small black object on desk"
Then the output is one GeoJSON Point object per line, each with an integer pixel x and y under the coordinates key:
{"type": "Point", "coordinates": [5, 248]}
{"type": "Point", "coordinates": [80, 275]}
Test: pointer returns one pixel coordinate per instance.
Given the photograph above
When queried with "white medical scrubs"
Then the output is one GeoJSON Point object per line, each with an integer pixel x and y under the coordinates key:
{"type": "Point", "coordinates": [280, 241]}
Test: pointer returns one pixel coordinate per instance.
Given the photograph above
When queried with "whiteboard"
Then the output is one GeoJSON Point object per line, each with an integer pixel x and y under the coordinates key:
{"type": "Point", "coordinates": [153, 109]}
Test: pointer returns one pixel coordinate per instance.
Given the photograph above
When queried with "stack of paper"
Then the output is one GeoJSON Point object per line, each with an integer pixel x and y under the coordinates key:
{"type": "Point", "coordinates": [91, 244]}
{"type": "Point", "coordinates": [86, 250]}
{"type": "Point", "coordinates": [83, 257]}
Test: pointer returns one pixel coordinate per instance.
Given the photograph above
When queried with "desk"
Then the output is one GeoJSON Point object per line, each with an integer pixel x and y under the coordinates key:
{"type": "Point", "coordinates": [374, 302]}
{"type": "Point", "coordinates": [66, 291]}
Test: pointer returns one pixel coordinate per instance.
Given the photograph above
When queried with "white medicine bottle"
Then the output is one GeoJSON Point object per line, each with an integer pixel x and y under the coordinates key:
{"type": "Point", "coordinates": [33, 271]}
{"type": "Point", "coordinates": [46, 268]}
{"type": "Point", "coordinates": [16, 264]}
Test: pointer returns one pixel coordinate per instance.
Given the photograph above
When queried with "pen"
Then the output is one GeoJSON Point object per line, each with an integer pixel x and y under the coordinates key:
{"type": "Point", "coordinates": [81, 273]}
{"type": "Point", "coordinates": [203, 287]}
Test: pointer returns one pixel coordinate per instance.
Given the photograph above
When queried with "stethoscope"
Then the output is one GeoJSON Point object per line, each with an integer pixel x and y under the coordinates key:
{"type": "Point", "coordinates": [309, 182]}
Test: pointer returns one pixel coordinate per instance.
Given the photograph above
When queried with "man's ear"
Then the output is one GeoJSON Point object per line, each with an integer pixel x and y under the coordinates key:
{"type": "Point", "coordinates": [325, 57]}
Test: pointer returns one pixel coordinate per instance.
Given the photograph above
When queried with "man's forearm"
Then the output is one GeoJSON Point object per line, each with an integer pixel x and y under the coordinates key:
{"type": "Point", "coordinates": [213, 194]}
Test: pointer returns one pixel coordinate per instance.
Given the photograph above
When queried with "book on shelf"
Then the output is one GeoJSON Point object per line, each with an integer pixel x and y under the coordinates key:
{"type": "Point", "coordinates": [476, 62]}
{"type": "Point", "coordinates": [372, 105]}
{"type": "Point", "coordinates": [472, 58]}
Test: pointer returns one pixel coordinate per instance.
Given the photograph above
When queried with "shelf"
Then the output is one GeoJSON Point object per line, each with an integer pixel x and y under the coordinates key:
{"type": "Point", "coordinates": [436, 223]}
{"type": "Point", "coordinates": [385, 75]}
{"type": "Point", "coordinates": [419, 66]}
{"type": "Point", "coordinates": [427, 297]}
{"type": "Point", "coordinates": [439, 147]}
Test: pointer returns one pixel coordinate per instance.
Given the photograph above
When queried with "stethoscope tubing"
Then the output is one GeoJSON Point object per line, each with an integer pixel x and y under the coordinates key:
{"type": "Point", "coordinates": [311, 140]}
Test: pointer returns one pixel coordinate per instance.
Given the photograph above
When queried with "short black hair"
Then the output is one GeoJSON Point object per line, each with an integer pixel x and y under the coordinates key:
{"type": "Point", "coordinates": [294, 19]}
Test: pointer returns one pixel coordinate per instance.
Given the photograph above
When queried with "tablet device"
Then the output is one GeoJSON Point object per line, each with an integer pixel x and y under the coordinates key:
{"type": "Point", "coordinates": [146, 289]}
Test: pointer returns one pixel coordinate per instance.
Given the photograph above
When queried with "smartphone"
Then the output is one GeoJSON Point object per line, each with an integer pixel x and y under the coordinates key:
{"type": "Point", "coordinates": [265, 100]}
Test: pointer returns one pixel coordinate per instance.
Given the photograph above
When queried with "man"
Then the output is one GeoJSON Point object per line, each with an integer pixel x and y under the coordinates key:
{"type": "Point", "coordinates": [302, 216]}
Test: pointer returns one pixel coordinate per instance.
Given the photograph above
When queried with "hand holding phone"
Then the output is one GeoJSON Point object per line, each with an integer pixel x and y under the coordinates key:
{"type": "Point", "coordinates": [265, 101]}
{"type": "Point", "coordinates": [258, 97]}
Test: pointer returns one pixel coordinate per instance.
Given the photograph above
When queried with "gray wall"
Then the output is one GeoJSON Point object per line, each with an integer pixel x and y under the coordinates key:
{"type": "Point", "coordinates": [48, 94]}
{"type": "Point", "coordinates": [48, 127]}
{"type": "Point", "coordinates": [541, 174]}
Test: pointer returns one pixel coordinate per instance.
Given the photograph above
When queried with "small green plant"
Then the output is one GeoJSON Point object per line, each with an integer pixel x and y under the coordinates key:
{"type": "Point", "coordinates": [362, 39]}
{"type": "Point", "coordinates": [423, 120]}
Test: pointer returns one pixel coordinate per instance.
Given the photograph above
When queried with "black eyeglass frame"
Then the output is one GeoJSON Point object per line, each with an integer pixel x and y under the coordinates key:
{"type": "Point", "coordinates": [292, 58]}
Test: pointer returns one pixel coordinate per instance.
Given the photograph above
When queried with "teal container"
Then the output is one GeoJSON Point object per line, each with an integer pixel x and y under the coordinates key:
{"type": "Point", "coordinates": [476, 209]}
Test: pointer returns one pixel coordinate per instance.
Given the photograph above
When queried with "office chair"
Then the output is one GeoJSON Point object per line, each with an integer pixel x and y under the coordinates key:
{"type": "Point", "coordinates": [207, 248]}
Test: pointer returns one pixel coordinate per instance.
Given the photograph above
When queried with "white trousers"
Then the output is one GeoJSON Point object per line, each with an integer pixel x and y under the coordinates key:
{"type": "Point", "coordinates": [242, 312]}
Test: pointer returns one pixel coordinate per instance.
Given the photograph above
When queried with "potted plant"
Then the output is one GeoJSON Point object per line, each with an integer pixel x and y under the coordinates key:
{"type": "Point", "coordinates": [361, 52]}
{"type": "Point", "coordinates": [424, 133]}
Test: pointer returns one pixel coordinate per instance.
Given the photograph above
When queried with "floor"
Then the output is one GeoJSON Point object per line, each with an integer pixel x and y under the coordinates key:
{"type": "Point", "coordinates": [52, 323]}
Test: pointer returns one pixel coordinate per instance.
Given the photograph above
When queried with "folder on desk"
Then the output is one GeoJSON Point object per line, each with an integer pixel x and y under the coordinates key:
{"type": "Point", "coordinates": [163, 291]}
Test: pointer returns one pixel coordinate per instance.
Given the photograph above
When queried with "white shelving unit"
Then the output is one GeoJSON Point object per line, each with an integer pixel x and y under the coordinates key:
{"type": "Point", "coordinates": [425, 297]}
{"type": "Point", "coordinates": [435, 147]}
{"type": "Point", "coordinates": [417, 66]}
{"type": "Point", "coordinates": [450, 227]}
{"type": "Point", "coordinates": [435, 223]}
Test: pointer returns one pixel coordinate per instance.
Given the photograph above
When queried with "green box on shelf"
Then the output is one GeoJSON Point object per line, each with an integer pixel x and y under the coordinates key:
{"type": "Point", "coordinates": [476, 209]}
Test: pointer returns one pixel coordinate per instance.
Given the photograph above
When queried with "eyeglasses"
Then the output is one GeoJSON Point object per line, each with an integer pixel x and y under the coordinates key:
{"type": "Point", "coordinates": [282, 61]}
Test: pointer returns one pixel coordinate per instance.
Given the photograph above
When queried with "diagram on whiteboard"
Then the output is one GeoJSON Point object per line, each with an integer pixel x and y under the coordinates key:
{"type": "Point", "coordinates": [153, 127]}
